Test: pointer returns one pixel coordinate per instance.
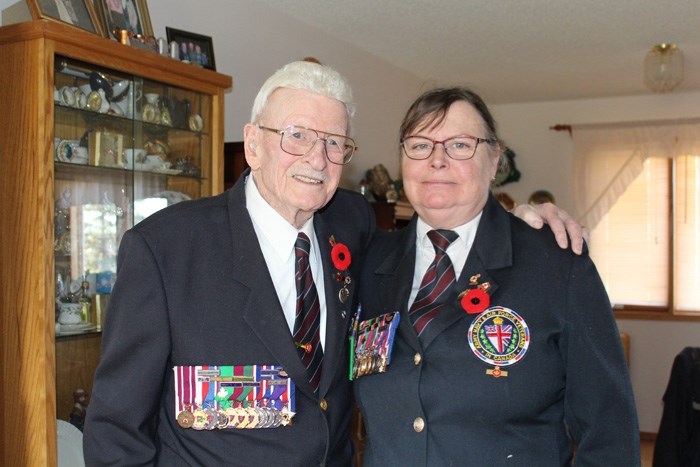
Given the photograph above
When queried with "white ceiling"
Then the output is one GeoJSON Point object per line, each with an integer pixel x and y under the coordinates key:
{"type": "Point", "coordinates": [515, 50]}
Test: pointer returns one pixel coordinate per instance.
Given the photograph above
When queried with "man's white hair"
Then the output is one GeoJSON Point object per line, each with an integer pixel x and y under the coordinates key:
{"type": "Point", "coordinates": [320, 79]}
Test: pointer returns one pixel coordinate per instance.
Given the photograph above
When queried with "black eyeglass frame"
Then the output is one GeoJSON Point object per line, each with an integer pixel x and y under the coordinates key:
{"type": "Point", "coordinates": [435, 143]}
{"type": "Point", "coordinates": [346, 158]}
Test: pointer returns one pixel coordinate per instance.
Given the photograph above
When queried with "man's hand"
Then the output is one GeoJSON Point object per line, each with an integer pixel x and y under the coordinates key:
{"type": "Point", "coordinates": [559, 221]}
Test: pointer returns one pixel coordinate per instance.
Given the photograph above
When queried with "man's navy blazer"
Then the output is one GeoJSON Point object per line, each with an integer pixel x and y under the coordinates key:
{"type": "Point", "coordinates": [193, 289]}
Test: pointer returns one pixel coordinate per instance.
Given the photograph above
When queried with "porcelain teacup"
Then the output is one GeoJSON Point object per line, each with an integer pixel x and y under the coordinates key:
{"type": "Point", "coordinates": [119, 88]}
{"type": "Point", "coordinates": [133, 155]}
{"type": "Point", "coordinates": [70, 313]}
{"type": "Point", "coordinates": [152, 98]}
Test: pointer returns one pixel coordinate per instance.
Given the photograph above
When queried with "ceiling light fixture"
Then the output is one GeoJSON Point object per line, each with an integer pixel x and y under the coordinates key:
{"type": "Point", "coordinates": [663, 68]}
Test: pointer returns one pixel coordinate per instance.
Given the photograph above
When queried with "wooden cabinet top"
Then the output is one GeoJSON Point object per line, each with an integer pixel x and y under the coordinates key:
{"type": "Point", "coordinates": [76, 43]}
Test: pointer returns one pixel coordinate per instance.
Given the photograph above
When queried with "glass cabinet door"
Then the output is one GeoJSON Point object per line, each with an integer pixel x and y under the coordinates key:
{"type": "Point", "coordinates": [124, 148]}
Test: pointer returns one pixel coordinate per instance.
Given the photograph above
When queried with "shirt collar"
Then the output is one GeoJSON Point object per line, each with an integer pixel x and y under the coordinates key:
{"type": "Point", "coordinates": [278, 233]}
{"type": "Point", "coordinates": [466, 232]}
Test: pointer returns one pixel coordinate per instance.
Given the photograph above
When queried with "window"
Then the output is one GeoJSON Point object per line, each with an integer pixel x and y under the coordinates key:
{"type": "Point", "coordinates": [646, 245]}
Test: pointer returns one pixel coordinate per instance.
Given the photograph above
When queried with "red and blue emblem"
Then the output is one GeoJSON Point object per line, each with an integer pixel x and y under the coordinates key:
{"type": "Point", "coordinates": [499, 336]}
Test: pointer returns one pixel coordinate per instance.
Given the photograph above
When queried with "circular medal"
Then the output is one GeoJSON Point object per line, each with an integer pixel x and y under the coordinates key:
{"type": "Point", "coordinates": [242, 417]}
{"type": "Point", "coordinates": [221, 419]}
{"type": "Point", "coordinates": [499, 336]}
{"type": "Point", "coordinates": [254, 417]}
{"type": "Point", "coordinates": [343, 295]}
{"type": "Point", "coordinates": [212, 419]}
{"type": "Point", "coordinates": [276, 418]}
{"type": "Point", "coordinates": [185, 419]}
{"type": "Point", "coordinates": [232, 414]}
{"type": "Point", "coordinates": [200, 419]}
{"type": "Point", "coordinates": [266, 417]}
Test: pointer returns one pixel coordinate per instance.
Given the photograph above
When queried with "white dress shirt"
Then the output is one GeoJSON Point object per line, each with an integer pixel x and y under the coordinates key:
{"type": "Point", "coordinates": [276, 237]}
{"type": "Point", "coordinates": [425, 252]}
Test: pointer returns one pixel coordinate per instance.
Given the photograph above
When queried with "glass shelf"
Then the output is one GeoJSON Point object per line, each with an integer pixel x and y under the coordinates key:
{"type": "Point", "coordinates": [124, 148]}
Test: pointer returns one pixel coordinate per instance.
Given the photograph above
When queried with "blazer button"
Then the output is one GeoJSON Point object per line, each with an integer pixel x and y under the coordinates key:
{"type": "Point", "coordinates": [418, 424]}
{"type": "Point", "coordinates": [323, 404]}
{"type": "Point", "coordinates": [417, 358]}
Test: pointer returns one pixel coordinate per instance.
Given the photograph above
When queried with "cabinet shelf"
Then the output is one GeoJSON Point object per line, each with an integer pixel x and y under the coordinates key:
{"type": "Point", "coordinates": [112, 120]}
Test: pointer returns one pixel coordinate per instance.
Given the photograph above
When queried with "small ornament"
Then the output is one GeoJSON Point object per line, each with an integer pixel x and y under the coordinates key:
{"type": "Point", "coordinates": [476, 299]}
{"type": "Point", "coordinates": [496, 372]}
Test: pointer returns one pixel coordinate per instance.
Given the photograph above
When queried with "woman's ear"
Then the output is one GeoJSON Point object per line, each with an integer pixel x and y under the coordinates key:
{"type": "Point", "coordinates": [250, 145]}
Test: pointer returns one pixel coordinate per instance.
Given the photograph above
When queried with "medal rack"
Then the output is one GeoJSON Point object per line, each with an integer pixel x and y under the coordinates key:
{"type": "Point", "coordinates": [95, 136]}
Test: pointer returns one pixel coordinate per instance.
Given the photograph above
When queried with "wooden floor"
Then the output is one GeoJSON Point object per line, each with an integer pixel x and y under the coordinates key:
{"type": "Point", "coordinates": [647, 453]}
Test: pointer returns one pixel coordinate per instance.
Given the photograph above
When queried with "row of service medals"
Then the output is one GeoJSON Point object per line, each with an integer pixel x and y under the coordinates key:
{"type": "Point", "coordinates": [371, 343]}
{"type": "Point", "coordinates": [234, 417]}
{"type": "Point", "coordinates": [233, 397]}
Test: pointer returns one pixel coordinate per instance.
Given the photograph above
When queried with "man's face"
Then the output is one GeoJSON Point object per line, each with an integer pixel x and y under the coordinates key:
{"type": "Point", "coordinates": [295, 186]}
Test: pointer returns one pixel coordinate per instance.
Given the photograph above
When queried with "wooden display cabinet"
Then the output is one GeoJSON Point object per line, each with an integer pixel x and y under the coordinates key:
{"type": "Point", "coordinates": [68, 193]}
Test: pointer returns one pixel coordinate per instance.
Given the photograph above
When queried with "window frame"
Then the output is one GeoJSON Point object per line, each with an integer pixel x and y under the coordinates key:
{"type": "Point", "coordinates": [662, 313]}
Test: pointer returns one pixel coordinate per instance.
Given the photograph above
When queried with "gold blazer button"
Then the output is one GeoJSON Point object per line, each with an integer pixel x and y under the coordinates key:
{"type": "Point", "coordinates": [418, 424]}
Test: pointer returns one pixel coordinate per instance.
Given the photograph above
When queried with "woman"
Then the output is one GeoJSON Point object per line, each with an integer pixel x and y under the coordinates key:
{"type": "Point", "coordinates": [506, 352]}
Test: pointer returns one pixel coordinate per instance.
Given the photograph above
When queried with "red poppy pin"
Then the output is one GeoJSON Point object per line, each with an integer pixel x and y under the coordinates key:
{"type": "Point", "coordinates": [341, 257]}
{"type": "Point", "coordinates": [476, 298]}
{"type": "Point", "coordinates": [340, 254]}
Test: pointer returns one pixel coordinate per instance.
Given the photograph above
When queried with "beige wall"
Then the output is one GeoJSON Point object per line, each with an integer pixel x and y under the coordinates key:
{"type": "Point", "coordinates": [251, 41]}
{"type": "Point", "coordinates": [545, 159]}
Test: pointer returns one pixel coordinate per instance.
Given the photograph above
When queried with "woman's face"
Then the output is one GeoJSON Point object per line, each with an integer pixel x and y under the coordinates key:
{"type": "Point", "coordinates": [447, 192]}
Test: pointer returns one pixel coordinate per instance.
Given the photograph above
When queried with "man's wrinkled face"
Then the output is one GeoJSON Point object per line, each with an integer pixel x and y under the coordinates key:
{"type": "Point", "coordinates": [295, 186]}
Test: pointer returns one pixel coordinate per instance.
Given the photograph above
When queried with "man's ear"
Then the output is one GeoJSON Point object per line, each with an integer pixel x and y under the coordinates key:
{"type": "Point", "coordinates": [250, 145]}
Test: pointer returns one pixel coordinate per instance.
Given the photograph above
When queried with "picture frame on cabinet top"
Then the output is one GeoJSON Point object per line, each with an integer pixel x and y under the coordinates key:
{"type": "Point", "coordinates": [78, 13]}
{"type": "Point", "coordinates": [132, 15]}
{"type": "Point", "coordinates": [194, 48]}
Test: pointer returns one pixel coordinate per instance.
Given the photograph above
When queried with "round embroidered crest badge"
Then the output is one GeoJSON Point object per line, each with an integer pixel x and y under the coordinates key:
{"type": "Point", "coordinates": [499, 336]}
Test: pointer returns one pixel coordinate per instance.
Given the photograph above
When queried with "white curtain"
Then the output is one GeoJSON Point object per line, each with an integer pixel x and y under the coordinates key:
{"type": "Point", "coordinates": [608, 157]}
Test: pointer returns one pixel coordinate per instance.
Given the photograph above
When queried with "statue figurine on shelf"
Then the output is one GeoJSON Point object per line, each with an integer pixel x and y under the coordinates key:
{"type": "Point", "coordinates": [77, 414]}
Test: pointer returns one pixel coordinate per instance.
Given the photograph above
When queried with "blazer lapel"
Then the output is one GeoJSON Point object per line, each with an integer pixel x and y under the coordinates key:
{"type": "Point", "coordinates": [263, 312]}
{"type": "Point", "coordinates": [395, 277]}
{"type": "Point", "coordinates": [337, 312]}
{"type": "Point", "coordinates": [492, 249]}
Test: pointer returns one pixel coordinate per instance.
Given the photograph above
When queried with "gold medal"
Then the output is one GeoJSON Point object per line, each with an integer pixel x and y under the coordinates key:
{"type": "Point", "coordinates": [242, 417]}
{"type": "Point", "coordinates": [185, 419]}
{"type": "Point", "coordinates": [199, 419]}
{"type": "Point", "coordinates": [232, 414]}
{"type": "Point", "coordinates": [254, 417]}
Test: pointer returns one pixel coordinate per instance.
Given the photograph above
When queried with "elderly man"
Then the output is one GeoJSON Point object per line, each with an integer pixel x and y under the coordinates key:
{"type": "Point", "coordinates": [225, 341]}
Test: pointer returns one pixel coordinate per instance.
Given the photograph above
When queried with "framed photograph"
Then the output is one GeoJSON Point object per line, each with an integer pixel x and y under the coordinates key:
{"type": "Point", "coordinates": [78, 13]}
{"type": "Point", "coordinates": [132, 15]}
{"type": "Point", "coordinates": [105, 149]}
{"type": "Point", "coordinates": [194, 48]}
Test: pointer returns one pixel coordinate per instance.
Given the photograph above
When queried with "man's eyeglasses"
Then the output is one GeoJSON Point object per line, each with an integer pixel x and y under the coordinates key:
{"type": "Point", "coordinates": [298, 141]}
{"type": "Point", "coordinates": [460, 148]}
